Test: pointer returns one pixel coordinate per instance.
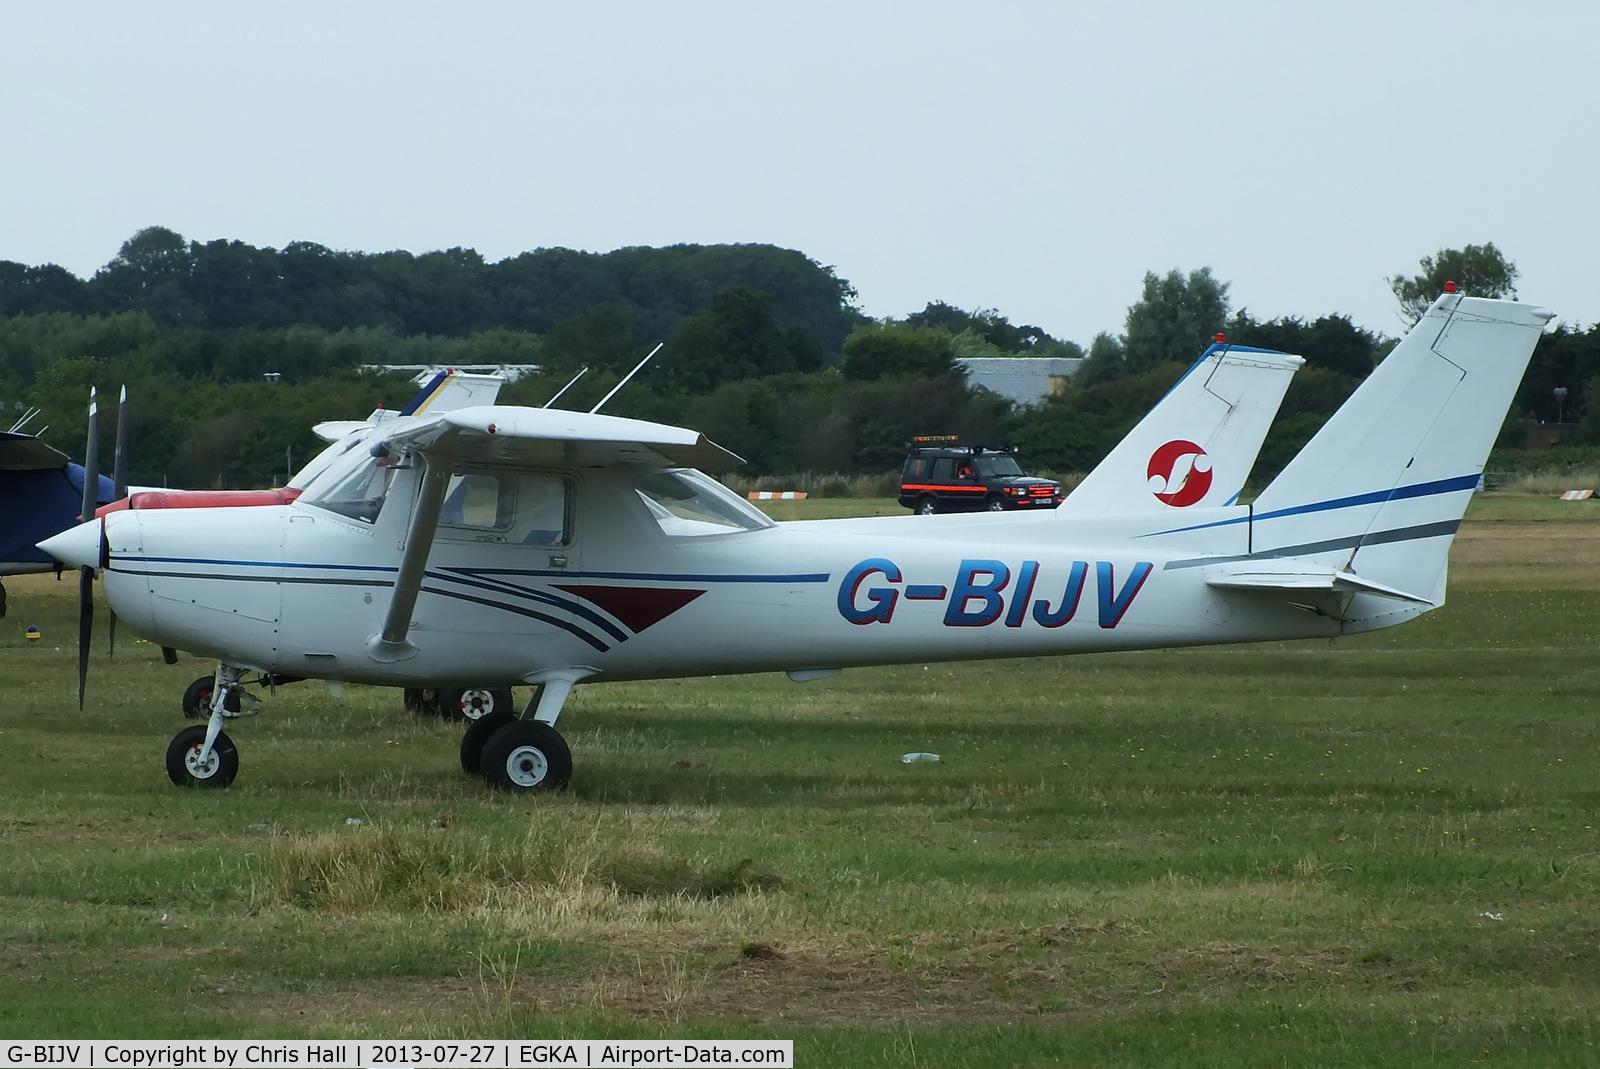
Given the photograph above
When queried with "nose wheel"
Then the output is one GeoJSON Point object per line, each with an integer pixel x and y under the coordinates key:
{"type": "Point", "coordinates": [186, 766]}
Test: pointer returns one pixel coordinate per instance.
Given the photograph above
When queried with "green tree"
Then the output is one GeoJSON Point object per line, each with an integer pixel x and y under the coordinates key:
{"type": "Point", "coordinates": [598, 338]}
{"type": "Point", "coordinates": [1480, 270]}
{"type": "Point", "coordinates": [737, 337]}
{"type": "Point", "coordinates": [150, 273]}
{"type": "Point", "coordinates": [879, 351]}
{"type": "Point", "coordinates": [1175, 319]}
{"type": "Point", "coordinates": [1331, 342]}
{"type": "Point", "coordinates": [1104, 362]}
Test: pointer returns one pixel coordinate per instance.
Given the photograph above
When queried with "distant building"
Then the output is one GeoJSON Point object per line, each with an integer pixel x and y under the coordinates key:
{"type": "Point", "coordinates": [1027, 380]}
{"type": "Point", "coordinates": [425, 372]}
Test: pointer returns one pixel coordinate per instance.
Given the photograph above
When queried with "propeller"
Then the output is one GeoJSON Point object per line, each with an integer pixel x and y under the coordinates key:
{"type": "Point", "coordinates": [91, 503]}
{"type": "Point", "coordinates": [119, 483]}
{"type": "Point", "coordinates": [91, 500]}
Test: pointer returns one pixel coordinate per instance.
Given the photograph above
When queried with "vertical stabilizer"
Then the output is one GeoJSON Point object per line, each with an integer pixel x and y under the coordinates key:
{"type": "Point", "coordinates": [1382, 487]}
{"type": "Point", "coordinates": [1196, 447]}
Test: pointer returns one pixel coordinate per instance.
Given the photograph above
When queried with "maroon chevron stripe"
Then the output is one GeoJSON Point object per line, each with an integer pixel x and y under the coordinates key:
{"type": "Point", "coordinates": [638, 607]}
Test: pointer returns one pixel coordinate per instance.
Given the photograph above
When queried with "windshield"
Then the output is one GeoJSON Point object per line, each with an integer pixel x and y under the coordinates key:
{"type": "Point", "coordinates": [686, 502]}
{"type": "Point", "coordinates": [989, 467]}
{"type": "Point", "coordinates": [356, 492]}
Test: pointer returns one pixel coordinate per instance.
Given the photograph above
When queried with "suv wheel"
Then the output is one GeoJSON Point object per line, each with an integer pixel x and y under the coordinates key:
{"type": "Point", "coordinates": [996, 504]}
{"type": "Point", "coordinates": [926, 505]}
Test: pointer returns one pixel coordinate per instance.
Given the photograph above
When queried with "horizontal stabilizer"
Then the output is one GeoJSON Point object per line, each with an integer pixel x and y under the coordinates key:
{"type": "Point", "coordinates": [1303, 580]}
{"type": "Point", "coordinates": [335, 429]}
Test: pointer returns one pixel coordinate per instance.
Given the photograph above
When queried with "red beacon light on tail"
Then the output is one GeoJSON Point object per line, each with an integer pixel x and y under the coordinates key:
{"type": "Point", "coordinates": [1222, 339]}
{"type": "Point", "coordinates": [1449, 287]}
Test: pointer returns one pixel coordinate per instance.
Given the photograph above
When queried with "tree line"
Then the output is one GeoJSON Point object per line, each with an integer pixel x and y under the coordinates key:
{"type": "Point", "coordinates": [765, 352]}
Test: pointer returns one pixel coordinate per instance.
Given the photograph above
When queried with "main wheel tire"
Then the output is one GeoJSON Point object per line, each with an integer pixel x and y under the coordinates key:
{"type": "Point", "coordinates": [527, 755]}
{"type": "Point", "coordinates": [995, 504]}
{"type": "Point", "coordinates": [197, 699]}
{"type": "Point", "coordinates": [926, 505]}
{"type": "Point", "coordinates": [415, 705]}
{"type": "Point", "coordinates": [185, 770]}
{"type": "Point", "coordinates": [473, 703]}
{"type": "Point", "coordinates": [477, 737]}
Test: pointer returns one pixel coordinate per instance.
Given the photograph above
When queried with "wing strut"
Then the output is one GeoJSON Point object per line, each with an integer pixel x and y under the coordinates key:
{"type": "Point", "coordinates": [390, 645]}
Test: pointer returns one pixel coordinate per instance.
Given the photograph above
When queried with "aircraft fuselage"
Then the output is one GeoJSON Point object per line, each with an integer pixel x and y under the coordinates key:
{"type": "Point", "coordinates": [297, 590]}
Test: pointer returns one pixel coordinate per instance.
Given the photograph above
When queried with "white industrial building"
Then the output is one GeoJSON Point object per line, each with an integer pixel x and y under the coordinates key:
{"type": "Point", "coordinates": [1027, 380]}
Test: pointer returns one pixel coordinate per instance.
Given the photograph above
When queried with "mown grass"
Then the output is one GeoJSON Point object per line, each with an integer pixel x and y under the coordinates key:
{"type": "Point", "coordinates": [1377, 851]}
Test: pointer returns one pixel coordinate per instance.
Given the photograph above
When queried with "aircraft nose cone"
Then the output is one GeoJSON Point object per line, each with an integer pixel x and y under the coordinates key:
{"type": "Point", "coordinates": [76, 547]}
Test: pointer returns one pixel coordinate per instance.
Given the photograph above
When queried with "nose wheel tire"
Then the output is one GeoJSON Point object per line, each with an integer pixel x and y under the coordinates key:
{"type": "Point", "coordinates": [527, 755]}
{"type": "Point", "coordinates": [477, 737]}
{"type": "Point", "coordinates": [197, 699]}
{"type": "Point", "coordinates": [185, 768]}
{"type": "Point", "coordinates": [473, 703]}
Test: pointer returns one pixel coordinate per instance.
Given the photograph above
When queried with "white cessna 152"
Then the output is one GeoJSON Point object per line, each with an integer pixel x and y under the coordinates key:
{"type": "Point", "coordinates": [549, 547]}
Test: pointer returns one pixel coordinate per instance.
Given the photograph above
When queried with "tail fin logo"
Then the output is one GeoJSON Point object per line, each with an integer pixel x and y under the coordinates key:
{"type": "Point", "coordinates": [1179, 473]}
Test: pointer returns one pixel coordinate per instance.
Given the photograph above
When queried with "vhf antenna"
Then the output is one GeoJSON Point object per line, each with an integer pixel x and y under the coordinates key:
{"type": "Point", "coordinates": [625, 378]}
{"type": "Point", "coordinates": [584, 370]}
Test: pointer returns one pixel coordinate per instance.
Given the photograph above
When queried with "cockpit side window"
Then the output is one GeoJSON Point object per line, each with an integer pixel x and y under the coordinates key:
{"type": "Point", "coordinates": [512, 507]}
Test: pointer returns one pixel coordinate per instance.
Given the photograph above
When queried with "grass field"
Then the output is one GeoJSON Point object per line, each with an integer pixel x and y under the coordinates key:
{"type": "Point", "coordinates": [1379, 851]}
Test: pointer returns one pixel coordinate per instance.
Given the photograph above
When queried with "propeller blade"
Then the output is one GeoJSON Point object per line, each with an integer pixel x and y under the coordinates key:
{"type": "Point", "coordinates": [85, 627]}
{"type": "Point", "coordinates": [91, 460]}
{"type": "Point", "coordinates": [119, 470]}
{"type": "Point", "coordinates": [119, 481]}
{"type": "Point", "coordinates": [91, 500]}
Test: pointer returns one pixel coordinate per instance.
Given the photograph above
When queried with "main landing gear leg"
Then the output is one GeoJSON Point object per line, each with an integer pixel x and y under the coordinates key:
{"type": "Point", "coordinates": [526, 754]}
{"type": "Point", "coordinates": [205, 756]}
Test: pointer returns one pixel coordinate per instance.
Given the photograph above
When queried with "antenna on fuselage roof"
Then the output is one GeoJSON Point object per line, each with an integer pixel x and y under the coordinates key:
{"type": "Point", "coordinates": [625, 378]}
{"type": "Point", "coordinates": [582, 371]}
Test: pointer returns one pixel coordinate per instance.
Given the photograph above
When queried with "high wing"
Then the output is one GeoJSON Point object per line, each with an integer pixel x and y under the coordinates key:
{"type": "Point", "coordinates": [506, 434]}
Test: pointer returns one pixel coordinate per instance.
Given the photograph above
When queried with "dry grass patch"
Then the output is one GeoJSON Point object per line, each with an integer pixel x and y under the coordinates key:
{"type": "Point", "coordinates": [1526, 555]}
{"type": "Point", "coordinates": [446, 869]}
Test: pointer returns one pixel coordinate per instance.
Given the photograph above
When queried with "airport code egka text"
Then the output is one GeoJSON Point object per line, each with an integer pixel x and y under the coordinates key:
{"type": "Point", "coordinates": [311, 1054]}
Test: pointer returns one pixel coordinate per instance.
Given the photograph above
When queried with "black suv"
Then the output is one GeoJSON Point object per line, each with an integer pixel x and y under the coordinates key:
{"type": "Point", "coordinates": [943, 476]}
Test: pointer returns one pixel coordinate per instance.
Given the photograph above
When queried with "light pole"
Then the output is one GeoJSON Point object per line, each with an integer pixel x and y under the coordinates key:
{"type": "Point", "coordinates": [1561, 396]}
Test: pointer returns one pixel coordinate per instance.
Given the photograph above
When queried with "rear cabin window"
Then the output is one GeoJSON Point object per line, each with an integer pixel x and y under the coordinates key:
{"type": "Point", "coordinates": [917, 468]}
{"type": "Point", "coordinates": [944, 470]}
{"type": "Point", "coordinates": [686, 502]}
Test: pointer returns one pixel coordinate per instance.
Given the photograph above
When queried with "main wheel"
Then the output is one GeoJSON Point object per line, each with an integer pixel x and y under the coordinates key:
{"type": "Point", "coordinates": [527, 755]}
{"type": "Point", "coordinates": [183, 759]}
{"type": "Point", "coordinates": [197, 699]}
{"type": "Point", "coordinates": [473, 703]}
{"type": "Point", "coordinates": [415, 705]}
{"type": "Point", "coordinates": [926, 505]}
{"type": "Point", "coordinates": [477, 737]}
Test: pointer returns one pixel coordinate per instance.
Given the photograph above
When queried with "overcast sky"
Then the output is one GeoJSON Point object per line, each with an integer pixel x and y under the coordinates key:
{"type": "Point", "coordinates": [1033, 158]}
